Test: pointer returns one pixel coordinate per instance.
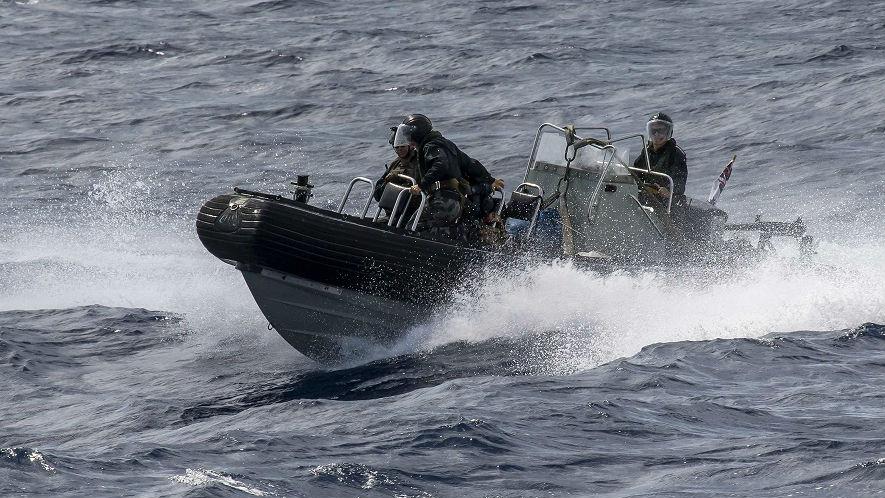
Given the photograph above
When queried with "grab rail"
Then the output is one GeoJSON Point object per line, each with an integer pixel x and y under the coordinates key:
{"type": "Point", "coordinates": [530, 185]}
{"type": "Point", "coordinates": [395, 209]}
{"type": "Point", "coordinates": [402, 216]}
{"type": "Point", "coordinates": [419, 212]}
{"type": "Point", "coordinates": [643, 209]}
{"type": "Point", "coordinates": [666, 176]}
{"type": "Point", "coordinates": [594, 199]}
{"type": "Point", "coordinates": [535, 144]}
{"type": "Point", "coordinates": [540, 193]}
{"type": "Point", "coordinates": [399, 198]}
{"type": "Point", "coordinates": [608, 133]}
{"type": "Point", "coordinates": [500, 204]}
{"type": "Point", "coordinates": [347, 194]}
{"type": "Point", "coordinates": [647, 169]}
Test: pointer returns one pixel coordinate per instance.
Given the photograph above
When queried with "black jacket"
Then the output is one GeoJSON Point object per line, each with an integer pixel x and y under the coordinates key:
{"type": "Point", "coordinates": [476, 173]}
{"type": "Point", "coordinates": [440, 160]}
{"type": "Point", "coordinates": [670, 160]}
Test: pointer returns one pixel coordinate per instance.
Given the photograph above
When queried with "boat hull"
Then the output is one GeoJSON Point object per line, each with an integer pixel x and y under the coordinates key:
{"type": "Point", "coordinates": [332, 284]}
{"type": "Point", "coordinates": [325, 322]}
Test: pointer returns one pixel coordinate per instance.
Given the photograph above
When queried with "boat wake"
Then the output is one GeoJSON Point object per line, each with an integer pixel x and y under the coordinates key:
{"type": "Point", "coordinates": [584, 318]}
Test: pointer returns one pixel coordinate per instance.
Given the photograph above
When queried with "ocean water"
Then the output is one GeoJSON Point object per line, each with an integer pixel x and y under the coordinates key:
{"type": "Point", "coordinates": [134, 363]}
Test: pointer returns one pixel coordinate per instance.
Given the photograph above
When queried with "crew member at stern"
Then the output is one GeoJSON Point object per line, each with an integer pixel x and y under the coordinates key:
{"type": "Point", "coordinates": [664, 156]}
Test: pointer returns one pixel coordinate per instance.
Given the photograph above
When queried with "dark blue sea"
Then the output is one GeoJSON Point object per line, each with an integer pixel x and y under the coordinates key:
{"type": "Point", "coordinates": [134, 363]}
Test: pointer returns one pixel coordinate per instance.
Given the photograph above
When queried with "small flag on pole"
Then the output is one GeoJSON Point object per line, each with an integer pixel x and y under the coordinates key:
{"type": "Point", "coordinates": [719, 185]}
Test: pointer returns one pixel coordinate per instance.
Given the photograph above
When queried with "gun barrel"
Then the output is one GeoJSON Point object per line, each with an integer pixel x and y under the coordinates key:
{"type": "Point", "coordinates": [776, 228]}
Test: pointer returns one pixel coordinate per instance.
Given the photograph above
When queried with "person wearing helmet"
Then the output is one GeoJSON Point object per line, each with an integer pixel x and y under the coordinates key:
{"type": "Point", "coordinates": [444, 171]}
{"type": "Point", "coordinates": [664, 156]}
{"type": "Point", "coordinates": [439, 160]}
{"type": "Point", "coordinates": [406, 162]}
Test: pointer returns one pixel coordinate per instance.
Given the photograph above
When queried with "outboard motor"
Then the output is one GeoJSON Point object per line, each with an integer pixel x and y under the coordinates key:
{"type": "Point", "coordinates": [301, 189]}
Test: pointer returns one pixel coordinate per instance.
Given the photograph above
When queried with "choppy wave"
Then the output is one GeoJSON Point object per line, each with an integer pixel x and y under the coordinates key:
{"type": "Point", "coordinates": [208, 478]}
{"type": "Point", "coordinates": [126, 51]}
{"type": "Point", "coordinates": [718, 410]}
{"type": "Point", "coordinates": [25, 458]}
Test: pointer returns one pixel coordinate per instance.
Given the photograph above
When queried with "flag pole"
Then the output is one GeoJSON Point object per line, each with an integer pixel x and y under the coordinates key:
{"type": "Point", "coordinates": [719, 184]}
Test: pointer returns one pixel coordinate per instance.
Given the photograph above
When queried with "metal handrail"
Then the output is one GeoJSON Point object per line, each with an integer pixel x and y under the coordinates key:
{"type": "Point", "coordinates": [648, 166]}
{"type": "Point", "coordinates": [398, 197]}
{"type": "Point", "coordinates": [540, 200]}
{"type": "Point", "coordinates": [532, 185]}
{"type": "Point", "coordinates": [669, 183]}
{"type": "Point", "coordinates": [536, 142]}
{"type": "Point", "coordinates": [650, 220]}
{"type": "Point", "coordinates": [608, 132]}
{"type": "Point", "coordinates": [395, 210]}
{"type": "Point", "coordinates": [353, 182]}
{"type": "Point", "coordinates": [396, 203]}
{"type": "Point", "coordinates": [406, 177]}
{"type": "Point", "coordinates": [642, 138]}
{"type": "Point", "coordinates": [500, 204]}
{"type": "Point", "coordinates": [419, 212]}
{"type": "Point", "coordinates": [594, 199]}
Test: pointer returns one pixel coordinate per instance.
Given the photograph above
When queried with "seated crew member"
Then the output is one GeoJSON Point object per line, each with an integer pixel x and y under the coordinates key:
{"type": "Point", "coordinates": [406, 162]}
{"type": "Point", "coordinates": [664, 156]}
{"type": "Point", "coordinates": [440, 163]}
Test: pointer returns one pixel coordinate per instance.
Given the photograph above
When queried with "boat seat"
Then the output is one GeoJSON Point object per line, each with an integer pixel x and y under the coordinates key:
{"type": "Point", "coordinates": [394, 197]}
{"type": "Point", "coordinates": [524, 206]}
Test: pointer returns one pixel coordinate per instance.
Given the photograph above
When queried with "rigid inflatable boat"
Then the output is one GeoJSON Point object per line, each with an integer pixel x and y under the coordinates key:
{"type": "Point", "coordinates": [333, 283]}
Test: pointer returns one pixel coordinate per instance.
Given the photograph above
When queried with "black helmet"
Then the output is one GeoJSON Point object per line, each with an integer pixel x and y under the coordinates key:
{"type": "Point", "coordinates": [420, 124]}
{"type": "Point", "coordinates": [660, 117]}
